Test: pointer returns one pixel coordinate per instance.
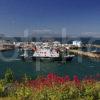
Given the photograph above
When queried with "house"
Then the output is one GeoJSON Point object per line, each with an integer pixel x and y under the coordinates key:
{"type": "Point", "coordinates": [77, 43]}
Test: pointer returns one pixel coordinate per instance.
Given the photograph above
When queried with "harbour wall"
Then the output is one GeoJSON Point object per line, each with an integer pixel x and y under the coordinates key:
{"type": "Point", "coordinates": [87, 54]}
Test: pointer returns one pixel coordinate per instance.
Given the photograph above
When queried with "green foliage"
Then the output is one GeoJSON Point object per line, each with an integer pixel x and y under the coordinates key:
{"type": "Point", "coordinates": [23, 92]}
{"type": "Point", "coordinates": [90, 92]}
{"type": "Point", "coordinates": [69, 93]}
{"type": "Point", "coordinates": [26, 78]}
{"type": "Point", "coordinates": [9, 76]}
{"type": "Point", "coordinates": [1, 87]}
{"type": "Point", "coordinates": [47, 94]}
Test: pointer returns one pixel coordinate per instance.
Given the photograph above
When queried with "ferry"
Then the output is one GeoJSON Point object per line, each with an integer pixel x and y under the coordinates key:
{"type": "Point", "coordinates": [51, 54]}
{"type": "Point", "coordinates": [46, 53]}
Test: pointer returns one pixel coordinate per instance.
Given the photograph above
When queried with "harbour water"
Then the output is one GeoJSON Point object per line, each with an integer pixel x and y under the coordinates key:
{"type": "Point", "coordinates": [81, 66]}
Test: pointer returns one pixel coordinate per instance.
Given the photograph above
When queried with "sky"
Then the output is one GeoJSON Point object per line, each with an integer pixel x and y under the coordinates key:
{"type": "Point", "coordinates": [78, 17]}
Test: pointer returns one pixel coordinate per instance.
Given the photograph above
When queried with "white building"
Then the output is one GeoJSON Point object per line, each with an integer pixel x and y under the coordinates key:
{"type": "Point", "coordinates": [77, 43]}
{"type": "Point", "coordinates": [56, 43]}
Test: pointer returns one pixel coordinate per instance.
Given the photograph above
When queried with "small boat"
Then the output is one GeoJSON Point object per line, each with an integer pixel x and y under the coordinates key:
{"type": "Point", "coordinates": [69, 57]}
{"type": "Point", "coordinates": [24, 56]}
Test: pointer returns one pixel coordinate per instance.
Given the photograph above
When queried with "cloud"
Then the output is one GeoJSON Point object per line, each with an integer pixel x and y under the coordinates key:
{"type": "Point", "coordinates": [42, 30]}
{"type": "Point", "coordinates": [45, 33]}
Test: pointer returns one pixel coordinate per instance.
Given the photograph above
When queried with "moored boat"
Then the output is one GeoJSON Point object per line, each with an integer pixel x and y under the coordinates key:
{"type": "Point", "coordinates": [69, 57]}
{"type": "Point", "coordinates": [24, 56]}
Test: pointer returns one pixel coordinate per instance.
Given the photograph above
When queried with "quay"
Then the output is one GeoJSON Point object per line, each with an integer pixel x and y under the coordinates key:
{"type": "Point", "coordinates": [87, 54]}
{"type": "Point", "coordinates": [6, 47]}
{"type": "Point", "coordinates": [93, 45]}
{"type": "Point", "coordinates": [84, 46]}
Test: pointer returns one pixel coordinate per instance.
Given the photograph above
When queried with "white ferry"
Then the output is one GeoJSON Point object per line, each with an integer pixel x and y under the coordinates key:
{"type": "Point", "coordinates": [51, 54]}
{"type": "Point", "coordinates": [46, 53]}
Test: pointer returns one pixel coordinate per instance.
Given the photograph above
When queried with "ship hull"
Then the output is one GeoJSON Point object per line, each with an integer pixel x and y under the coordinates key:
{"type": "Point", "coordinates": [46, 58]}
{"type": "Point", "coordinates": [68, 58]}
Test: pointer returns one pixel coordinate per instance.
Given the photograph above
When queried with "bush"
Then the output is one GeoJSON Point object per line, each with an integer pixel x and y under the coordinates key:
{"type": "Point", "coordinates": [23, 92]}
{"type": "Point", "coordinates": [9, 77]}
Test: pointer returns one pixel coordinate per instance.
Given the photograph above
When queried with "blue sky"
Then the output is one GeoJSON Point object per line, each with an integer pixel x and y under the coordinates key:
{"type": "Point", "coordinates": [79, 17]}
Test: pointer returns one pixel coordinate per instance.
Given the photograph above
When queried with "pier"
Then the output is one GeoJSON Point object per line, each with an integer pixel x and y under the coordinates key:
{"type": "Point", "coordinates": [87, 54]}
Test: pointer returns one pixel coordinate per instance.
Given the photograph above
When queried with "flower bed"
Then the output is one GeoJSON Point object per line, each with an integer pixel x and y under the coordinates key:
{"type": "Point", "coordinates": [53, 87]}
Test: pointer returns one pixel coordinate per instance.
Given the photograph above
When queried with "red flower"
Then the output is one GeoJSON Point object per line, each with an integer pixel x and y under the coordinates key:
{"type": "Point", "coordinates": [51, 76]}
{"type": "Point", "coordinates": [67, 78]}
{"type": "Point", "coordinates": [76, 80]}
{"type": "Point", "coordinates": [60, 80]}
